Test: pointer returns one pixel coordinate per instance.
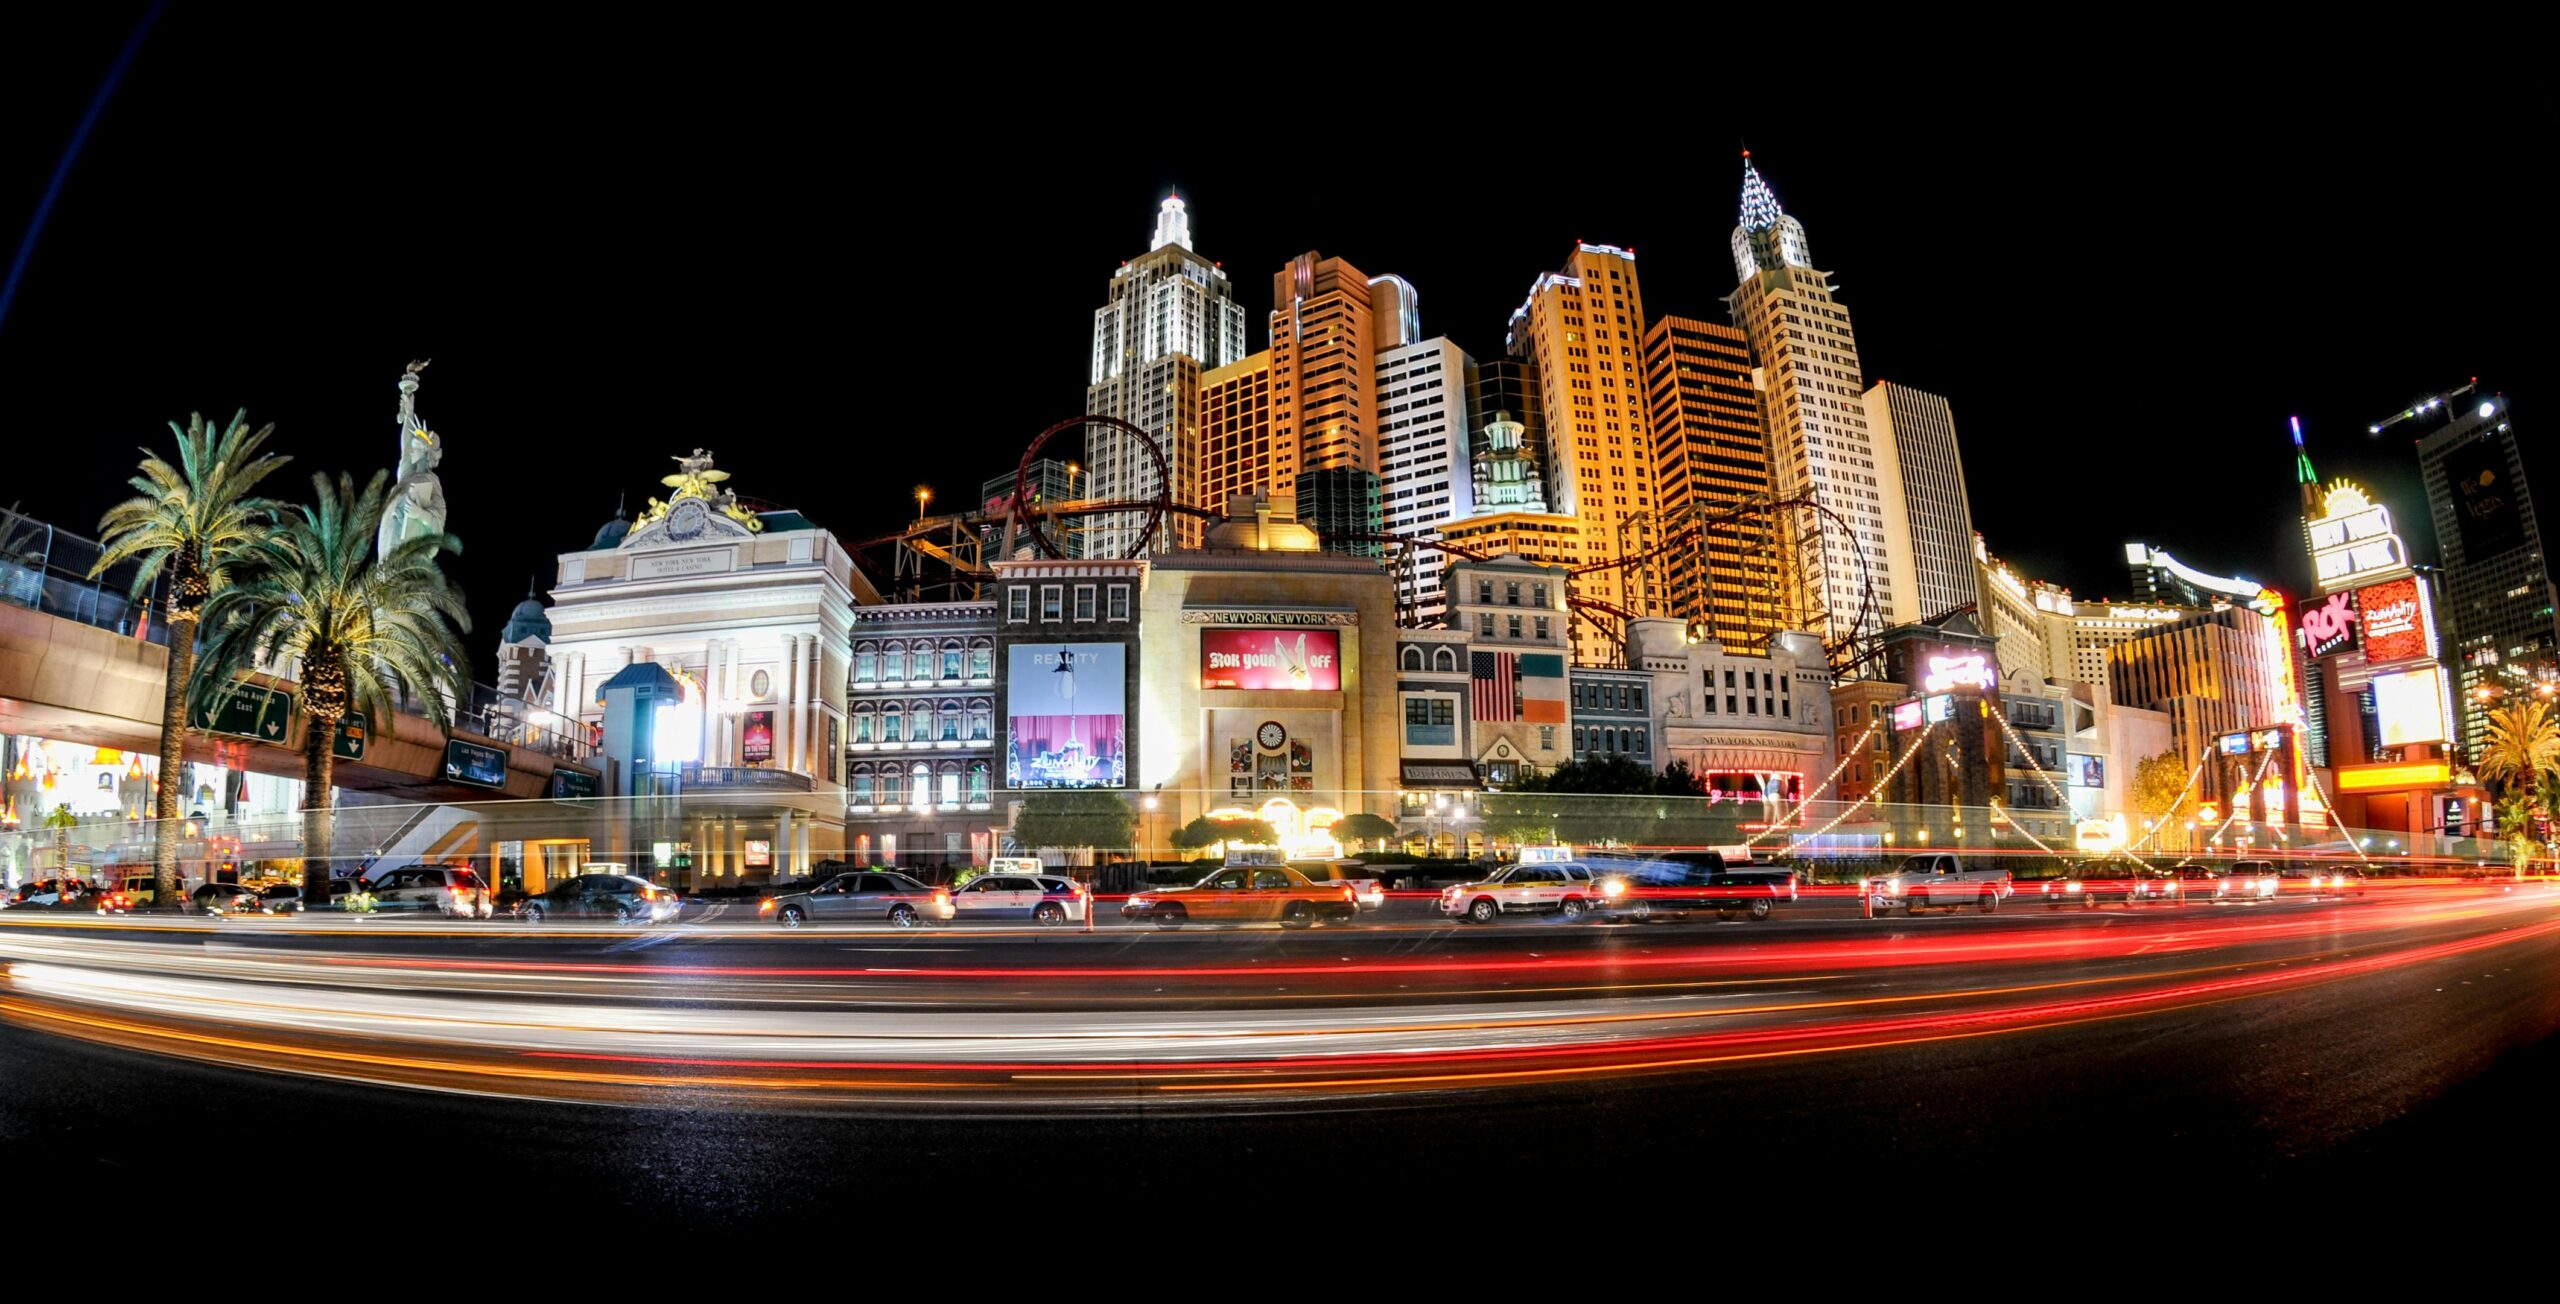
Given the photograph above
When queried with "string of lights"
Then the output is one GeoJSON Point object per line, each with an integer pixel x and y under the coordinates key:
{"type": "Point", "coordinates": [1869, 794]}
{"type": "Point", "coordinates": [1856, 750]}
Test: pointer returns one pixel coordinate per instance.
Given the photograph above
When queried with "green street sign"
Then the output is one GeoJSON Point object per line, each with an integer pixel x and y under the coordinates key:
{"type": "Point", "coordinates": [248, 711]}
{"type": "Point", "coordinates": [349, 744]}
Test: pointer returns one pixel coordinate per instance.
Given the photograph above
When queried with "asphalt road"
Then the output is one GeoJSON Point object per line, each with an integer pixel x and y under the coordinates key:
{"type": "Point", "coordinates": [2379, 1050]}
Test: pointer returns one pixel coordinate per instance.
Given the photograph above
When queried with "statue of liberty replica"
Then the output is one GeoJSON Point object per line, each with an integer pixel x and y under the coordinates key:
{"type": "Point", "coordinates": [417, 497]}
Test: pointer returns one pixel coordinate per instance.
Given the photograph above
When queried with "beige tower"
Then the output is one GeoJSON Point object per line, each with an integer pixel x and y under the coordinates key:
{"type": "Point", "coordinates": [1819, 444]}
{"type": "Point", "coordinates": [1583, 327]}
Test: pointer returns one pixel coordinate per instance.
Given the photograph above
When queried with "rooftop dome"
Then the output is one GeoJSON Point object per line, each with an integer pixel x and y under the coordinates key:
{"type": "Point", "coordinates": [610, 534]}
{"type": "Point", "coordinates": [530, 620]}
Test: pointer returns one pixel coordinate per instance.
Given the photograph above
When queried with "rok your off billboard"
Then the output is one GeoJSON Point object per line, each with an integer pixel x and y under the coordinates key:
{"type": "Point", "coordinates": [1294, 660]}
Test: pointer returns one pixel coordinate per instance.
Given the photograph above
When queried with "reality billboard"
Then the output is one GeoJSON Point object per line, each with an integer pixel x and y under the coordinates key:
{"type": "Point", "coordinates": [1066, 715]}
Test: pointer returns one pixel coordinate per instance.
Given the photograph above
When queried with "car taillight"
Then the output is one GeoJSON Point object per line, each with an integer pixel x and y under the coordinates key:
{"type": "Point", "coordinates": [941, 894]}
{"type": "Point", "coordinates": [648, 894]}
{"type": "Point", "coordinates": [765, 907]}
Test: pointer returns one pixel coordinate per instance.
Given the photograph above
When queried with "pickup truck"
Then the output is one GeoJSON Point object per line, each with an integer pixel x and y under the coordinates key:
{"type": "Point", "coordinates": [1938, 878]}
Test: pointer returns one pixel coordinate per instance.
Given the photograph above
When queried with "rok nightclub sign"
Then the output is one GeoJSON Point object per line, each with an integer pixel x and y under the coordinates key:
{"type": "Point", "coordinates": [2329, 625]}
{"type": "Point", "coordinates": [1290, 660]}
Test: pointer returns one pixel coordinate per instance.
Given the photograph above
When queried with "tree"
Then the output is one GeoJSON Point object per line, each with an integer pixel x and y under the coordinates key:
{"type": "Point", "coordinates": [1362, 826]}
{"type": "Point", "coordinates": [61, 821]}
{"type": "Point", "coordinates": [2158, 782]}
{"type": "Point", "coordinates": [2515, 827]}
{"type": "Point", "coordinates": [1205, 831]}
{"type": "Point", "coordinates": [2523, 745]}
{"type": "Point", "coordinates": [369, 632]}
{"type": "Point", "coordinates": [1075, 819]}
{"type": "Point", "coordinates": [1678, 780]}
{"type": "Point", "coordinates": [190, 524]}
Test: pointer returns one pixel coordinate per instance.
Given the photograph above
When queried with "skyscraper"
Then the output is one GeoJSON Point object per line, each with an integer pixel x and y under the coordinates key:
{"type": "Point", "coordinates": [1237, 454]}
{"type": "Point", "coordinates": [1422, 460]}
{"type": "Point", "coordinates": [1582, 327]}
{"type": "Point", "coordinates": [1931, 550]}
{"type": "Point", "coordinates": [1819, 443]}
{"type": "Point", "coordinates": [1323, 355]}
{"type": "Point", "coordinates": [1711, 454]}
{"type": "Point", "coordinates": [1172, 315]}
{"type": "Point", "coordinates": [2498, 611]}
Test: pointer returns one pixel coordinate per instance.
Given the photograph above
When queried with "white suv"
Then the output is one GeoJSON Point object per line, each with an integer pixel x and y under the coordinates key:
{"type": "Point", "coordinates": [454, 892]}
{"type": "Point", "coordinates": [1938, 879]}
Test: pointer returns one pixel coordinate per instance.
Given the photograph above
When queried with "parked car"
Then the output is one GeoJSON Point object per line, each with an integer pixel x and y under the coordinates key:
{"type": "Point", "coordinates": [864, 894]}
{"type": "Point", "coordinates": [1939, 878]}
{"type": "Point", "coordinates": [224, 899]}
{"type": "Point", "coordinates": [447, 889]}
{"type": "Point", "coordinates": [1562, 887]}
{"type": "Point", "coordinates": [1042, 898]}
{"type": "Point", "coordinates": [139, 889]}
{"type": "Point", "coordinates": [2123, 881]}
{"type": "Point", "coordinates": [622, 898]}
{"type": "Point", "coordinates": [2248, 880]}
{"type": "Point", "coordinates": [1242, 894]}
{"type": "Point", "coordinates": [280, 899]}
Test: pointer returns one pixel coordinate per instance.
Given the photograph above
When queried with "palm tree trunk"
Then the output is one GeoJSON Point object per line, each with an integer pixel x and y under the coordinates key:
{"type": "Point", "coordinates": [317, 761]}
{"type": "Point", "coordinates": [169, 826]}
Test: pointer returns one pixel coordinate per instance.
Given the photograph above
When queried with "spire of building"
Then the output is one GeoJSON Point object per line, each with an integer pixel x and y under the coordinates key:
{"type": "Point", "coordinates": [1760, 209]}
{"type": "Point", "coordinates": [2304, 475]}
{"type": "Point", "coordinates": [1173, 225]}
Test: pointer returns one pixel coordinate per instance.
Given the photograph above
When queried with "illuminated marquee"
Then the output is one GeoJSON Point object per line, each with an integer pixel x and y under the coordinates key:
{"type": "Point", "coordinates": [2328, 626]}
{"type": "Point", "coordinates": [2352, 539]}
{"type": "Point", "coordinates": [2411, 706]}
{"type": "Point", "coordinates": [2399, 620]}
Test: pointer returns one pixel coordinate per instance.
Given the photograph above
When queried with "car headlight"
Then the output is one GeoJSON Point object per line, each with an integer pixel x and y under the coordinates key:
{"type": "Point", "coordinates": [1613, 887]}
{"type": "Point", "coordinates": [1893, 887]}
{"type": "Point", "coordinates": [1141, 901]}
{"type": "Point", "coordinates": [2072, 885]}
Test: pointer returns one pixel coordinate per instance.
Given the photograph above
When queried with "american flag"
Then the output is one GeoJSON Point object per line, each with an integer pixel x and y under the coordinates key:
{"type": "Point", "coordinates": [1494, 685]}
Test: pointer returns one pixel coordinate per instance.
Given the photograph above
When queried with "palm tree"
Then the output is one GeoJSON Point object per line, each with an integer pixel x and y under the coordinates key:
{"type": "Point", "coordinates": [2524, 744]}
{"type": "Point", "coordinates": [190, 523]}
{"type": "Point", "coordinates": [61, 821]}
{"type": "Point", "coordinates": [368, 631]}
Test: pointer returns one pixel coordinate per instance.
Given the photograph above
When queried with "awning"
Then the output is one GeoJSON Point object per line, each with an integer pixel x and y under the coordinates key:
{"type": "Point", "coordinates": [1443, 774]}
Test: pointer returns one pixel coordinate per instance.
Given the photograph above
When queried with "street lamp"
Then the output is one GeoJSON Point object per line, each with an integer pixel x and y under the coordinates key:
{"type": "Point", "coordinates": [1150, 836]}
{"type": "Point", "coordinates": [924, 494]}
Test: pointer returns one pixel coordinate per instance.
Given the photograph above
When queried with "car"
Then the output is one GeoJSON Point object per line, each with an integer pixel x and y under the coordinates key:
{"type": "Point", "coordinates": [1939, 878]}
{"type": "Point", "coordinates": [280, 899]}
{"type": "Point", "coordinates": [1367, 891]}
{"type": "Point", "coordinates": [2323, 880]}
{"type": "Point", "coordinates": [1642, 891]}
{"type": "Point", "coordinates": [449, 890]}
{"type": "Point", "coordinates": [1757, 886]}
{"type": "Point", "coordinates": [139, 890]}
{"type": "Point", "coordinates": [1042, 898]}
{"type": "Point", "coordinates": [224, 899]}
{"type": "Point", "coordinates": [863, 894]}
{"type": "Point", "coordinates": [2248, 880]}
{"type": "Point", "coordinates": [2123, 881]}
{"type": "Point", "coordinates": [1245, 894]}
{"type": "Point", "coordinates": [622, 898]}
{"type": "Point", "coordinates": [1561, 887]}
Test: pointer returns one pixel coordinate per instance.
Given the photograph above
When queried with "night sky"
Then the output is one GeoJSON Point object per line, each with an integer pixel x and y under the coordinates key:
{"type": "Point", "coordinates": [845, 276]}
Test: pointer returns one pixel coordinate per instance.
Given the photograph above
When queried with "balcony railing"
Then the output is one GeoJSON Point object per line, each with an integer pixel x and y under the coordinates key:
{"type": "Point", "coordinates": [47, 570]}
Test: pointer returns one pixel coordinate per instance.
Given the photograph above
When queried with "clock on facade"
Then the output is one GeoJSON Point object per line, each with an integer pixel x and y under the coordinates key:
{"type": "Point", "coordinates": [1271, 735]}
{"type": "Point", "coordinates": [687, 519]}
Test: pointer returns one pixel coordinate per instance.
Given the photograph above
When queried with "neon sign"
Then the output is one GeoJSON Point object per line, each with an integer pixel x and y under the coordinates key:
{"type": "Point", "coordinates": [2398, 624]}
{"type": "Point", "coordinates": [2329, 626]}
{"type": "Point", "coordinates": [2352, 539]}
{"type": "Point", "coordinates": [1972, 670]}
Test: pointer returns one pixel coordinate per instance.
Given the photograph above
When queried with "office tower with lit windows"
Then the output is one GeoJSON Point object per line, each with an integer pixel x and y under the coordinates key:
{"type": "Point", "coordinates": [1340, 503]}
{"type": "Point", "coordinates": [1583, 328]}
{"type": "Point", "coordinates": [1929, 532]}
{"type": "Point", "coordinates": [1172, 315]}
{"type": "Point", "coordinates": [1424, 472]}
{"type": "Point", "coordinates": [1819, 443]}
{"type": "Point", "coordinates": [1711, 458]}
{"type": "Point", "coordinates": [2498, 600]}
{"type": "Point", "coordinates": [1237, 453]}
{"type": "Point", "coordinates": [1323, 358]}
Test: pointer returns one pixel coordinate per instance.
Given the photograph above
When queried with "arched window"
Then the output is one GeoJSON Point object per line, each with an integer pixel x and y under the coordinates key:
{"type": "Point", "coordinates": [1444, 658]}
{"type": "Point", "coordinates": [920, 784]}
{"type": "Point", "coordinates": [950, 719]}
{"type": "Point", "coordinates": [893, 661]}
{"type": "Point", "coordinates": [1411, 659]}
{"type": "Point", "coordinates": [920, 719]}
{"type": "Point", "coordinates": [977, 783]}
{"type": "Point", "coordinates": [1577, 738]}
{"type": "Point", "coordinates": [978, 711]}
{"type": "Point", "coordinates": [860, 779]}
{"type": "Point", "coordinates": [889, 785]}
{"type": "Point", "coordinates": [982, 659]}
{"type": "Point", "coordinates": [920, 662]}
{"type": "Point", "coordinates": [952, 656]}
{"type": "Point", "coordinates": [866, 663]}
{"type": "Point", "coordinates": [892, 723]}
{"type": "Point", "coordinates": [863, 723]}
{"type": "Point", "coordinates": [950, 783]}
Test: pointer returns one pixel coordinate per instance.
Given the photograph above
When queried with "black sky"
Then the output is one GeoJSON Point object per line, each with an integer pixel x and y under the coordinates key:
{"type": "Point", "coordinates": [845, 272]}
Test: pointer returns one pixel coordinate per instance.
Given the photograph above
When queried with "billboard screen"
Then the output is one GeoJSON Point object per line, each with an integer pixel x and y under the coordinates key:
{"type": "Point", "coordinates": [1294, 660]}
{"type": "Point", "coordinates": [1065, 715]}
{"type": "Point", "coordinates": [2485, 512]}
{"type": "Point", "coordinates": [2410, 706]}
{"type": "Point", "coordinates": [755, 742]}
{"type": "Point", "coordinates": [2329, 626]}
{"type": "Point", "coordinates": [2235, 744]}
{"type": "Point", "coordinates": [2087, 771]}
{"type": "Point", "coordinates": [1906, 716]}
{"type": "Point", "coordinates": [2397, 625]}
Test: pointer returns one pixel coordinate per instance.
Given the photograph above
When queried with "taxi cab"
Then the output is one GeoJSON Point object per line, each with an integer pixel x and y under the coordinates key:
{"type": "Point", "coordinates": [1245, 894]}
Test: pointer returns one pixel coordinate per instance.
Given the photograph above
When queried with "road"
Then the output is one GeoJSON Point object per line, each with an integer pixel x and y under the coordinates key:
{"type": "Point", "coordinates": [2296, 1046]}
